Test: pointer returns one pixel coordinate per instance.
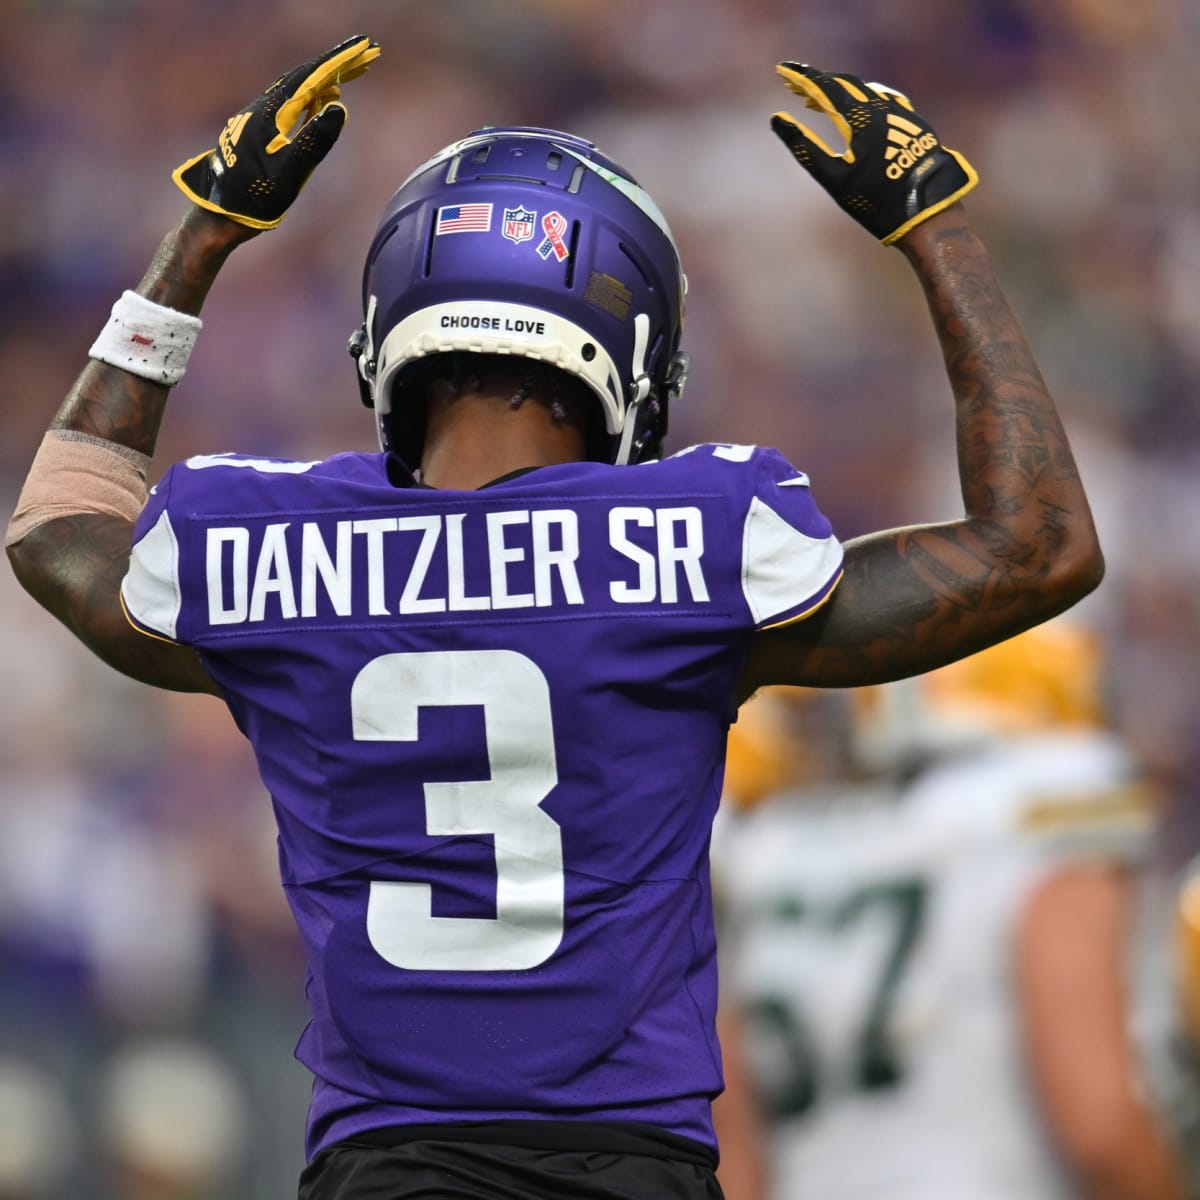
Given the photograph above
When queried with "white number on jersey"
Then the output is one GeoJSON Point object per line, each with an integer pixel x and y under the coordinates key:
{"type": "Point", "coordinates": [515, 697]}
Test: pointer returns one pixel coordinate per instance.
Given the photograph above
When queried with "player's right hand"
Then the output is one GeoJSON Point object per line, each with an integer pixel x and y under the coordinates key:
{"type": "Point", "coordinates": [894, 173]}
{"type": "Point", "coordinates": [269, 148]}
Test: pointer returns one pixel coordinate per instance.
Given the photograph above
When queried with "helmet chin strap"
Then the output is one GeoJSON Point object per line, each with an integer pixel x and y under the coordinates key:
{"type": "Point", "coordinates": [361, 348]}
{"type": "Point", "coordinates": [366, 362]}
{"type": "Point", "coordinates": [640, 385]}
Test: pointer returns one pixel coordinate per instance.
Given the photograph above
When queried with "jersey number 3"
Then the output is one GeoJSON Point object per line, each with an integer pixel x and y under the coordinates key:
{"type": "Point", "coordinates": [515, 698]}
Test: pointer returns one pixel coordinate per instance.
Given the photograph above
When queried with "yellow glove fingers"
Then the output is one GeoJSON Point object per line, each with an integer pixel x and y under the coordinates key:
{"type": "Point", "coordinates": [855, 91]}
{"type": "Point", "coordinates": [359, 66]}
{"type": "Point", "coordinates": [320, 102]}
{"type": "Point", "coordinates": [809, 134]}
{"type": "Point", "coordinates": [349, 63]}
{"type": "Point", "coordinates": [816, 98]}
{"type": "Point", "coordinates": [889, 93]}
{"type": "Point", "coordinates": [792, 77]}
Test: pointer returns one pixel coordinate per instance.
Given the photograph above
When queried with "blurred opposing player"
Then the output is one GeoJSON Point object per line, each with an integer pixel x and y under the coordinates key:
{"type": "Point", "coordinates": [932, 961]}
{"type": "Point", "coordinates": [1176, 1056]}
{"type": "Point", "coordinates": [1187, 932]}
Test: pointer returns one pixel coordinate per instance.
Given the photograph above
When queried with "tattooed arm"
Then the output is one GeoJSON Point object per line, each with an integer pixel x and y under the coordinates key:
{"type": "Point", "coordinates": [73, 565]}
{"type": "Point", "coordinates": [913, 599]}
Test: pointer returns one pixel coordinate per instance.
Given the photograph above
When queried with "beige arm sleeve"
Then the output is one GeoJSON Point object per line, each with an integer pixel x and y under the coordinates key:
{"type": "Point", "coordinates": [78, 473]}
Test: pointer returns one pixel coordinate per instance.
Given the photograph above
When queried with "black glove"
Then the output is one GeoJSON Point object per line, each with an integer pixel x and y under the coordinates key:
{"type": "Point", "coordinates": [895, 171]}
{"type": "Point", "coordinates": [259, 165]}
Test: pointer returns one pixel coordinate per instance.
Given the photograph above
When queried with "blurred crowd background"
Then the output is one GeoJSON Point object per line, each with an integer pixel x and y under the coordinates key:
{"type": "Point", "coordinates": [147, 964]}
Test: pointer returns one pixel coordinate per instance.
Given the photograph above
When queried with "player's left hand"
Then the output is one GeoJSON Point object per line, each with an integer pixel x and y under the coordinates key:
{"type": "Point", "coordinates": [894, 172]}
{"type": "Point", "coordinates": [269, 148]}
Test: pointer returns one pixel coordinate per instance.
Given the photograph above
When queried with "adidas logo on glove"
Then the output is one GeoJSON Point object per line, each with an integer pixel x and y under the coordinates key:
{"type": "Point", "coordinates": [909, 143]}
{"type": "Point", "coordinates": [229, 137]}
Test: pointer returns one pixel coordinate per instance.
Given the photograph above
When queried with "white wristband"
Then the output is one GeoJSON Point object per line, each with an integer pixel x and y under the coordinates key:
{"type": "Point", "coordinates": [147, 339]}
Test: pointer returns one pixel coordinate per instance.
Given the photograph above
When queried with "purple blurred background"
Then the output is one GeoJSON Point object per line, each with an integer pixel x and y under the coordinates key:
{"type": "Point", "coordinates": [146, 956]}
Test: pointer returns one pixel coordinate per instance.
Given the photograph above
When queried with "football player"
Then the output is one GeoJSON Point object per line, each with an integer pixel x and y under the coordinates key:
{"type": "Point", "coordinates": [1187, 941]}
{"type": "Point", "coordinates": [488, 671]}
{"type": "Point", "coordinates": [1175, 1049]}
{"type": "Point", "coordinates": [931, 955]}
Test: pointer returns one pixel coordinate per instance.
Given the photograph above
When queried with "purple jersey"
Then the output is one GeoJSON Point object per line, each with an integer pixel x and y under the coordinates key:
{"type": "Point", "coordinates": [492, 724]}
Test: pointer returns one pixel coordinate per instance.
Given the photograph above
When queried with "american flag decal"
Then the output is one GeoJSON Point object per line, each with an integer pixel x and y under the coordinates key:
{"type": "Point", "coordinates": [464, 218]}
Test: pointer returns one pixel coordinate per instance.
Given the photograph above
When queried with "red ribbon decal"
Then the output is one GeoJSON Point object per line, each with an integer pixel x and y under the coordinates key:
{"type": "Point", "coordinates": [555, 225]}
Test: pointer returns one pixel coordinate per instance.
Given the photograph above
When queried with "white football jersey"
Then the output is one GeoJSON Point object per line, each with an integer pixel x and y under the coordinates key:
{"type": "Point", "coordinates": [1167, 988]}
{"type": "Point", "coordinates": [868, 942]}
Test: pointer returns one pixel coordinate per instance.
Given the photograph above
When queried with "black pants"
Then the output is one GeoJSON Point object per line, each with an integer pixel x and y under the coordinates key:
{"type": "Point", "coordinates": [433, 1169]}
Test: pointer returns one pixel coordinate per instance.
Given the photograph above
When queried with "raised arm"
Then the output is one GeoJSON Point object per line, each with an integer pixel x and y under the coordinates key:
{"type": "Point", "coordinates": [70, 540]}
{"type": "Point", "coordinates": [69, 548]}
{"type": "Point", "coordinates": [912, 599]}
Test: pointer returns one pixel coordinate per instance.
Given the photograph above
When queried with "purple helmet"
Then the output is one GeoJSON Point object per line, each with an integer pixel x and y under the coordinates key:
{"type": "Point", "coordinates": [529, 242]}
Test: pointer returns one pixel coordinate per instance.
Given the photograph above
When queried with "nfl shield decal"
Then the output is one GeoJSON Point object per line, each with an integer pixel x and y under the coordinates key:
{"type": "Point", "coordinates": [518, 225]}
